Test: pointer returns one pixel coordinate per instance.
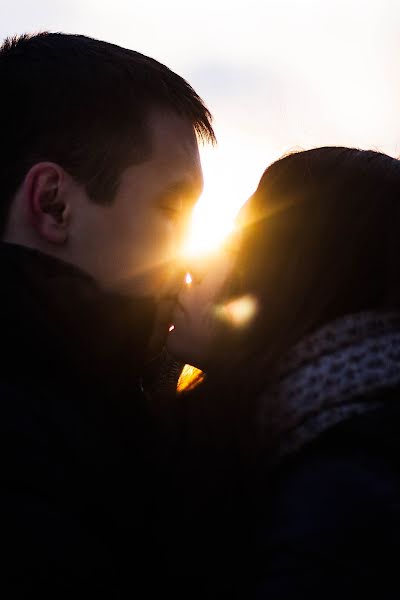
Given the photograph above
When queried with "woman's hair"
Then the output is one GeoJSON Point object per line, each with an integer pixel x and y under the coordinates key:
{"type": "Point", "coordinates": [321, 239]}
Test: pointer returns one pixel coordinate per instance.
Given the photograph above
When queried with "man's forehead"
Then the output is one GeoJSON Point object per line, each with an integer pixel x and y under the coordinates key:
{"type": "Point", "coordinates": [172, 137]}
{"type": "Point", "coordinates": [175, 153]}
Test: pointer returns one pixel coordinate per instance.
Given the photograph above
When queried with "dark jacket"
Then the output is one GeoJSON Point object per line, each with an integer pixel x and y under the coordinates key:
{"type": "Point", "coordinates": [328, 518]}
{"type": "Point", "coordinates": [82, 459]}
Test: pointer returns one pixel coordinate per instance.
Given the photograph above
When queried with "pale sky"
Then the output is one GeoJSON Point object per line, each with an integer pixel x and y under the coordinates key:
{"type": "Point", "coordinates": [276, 74]}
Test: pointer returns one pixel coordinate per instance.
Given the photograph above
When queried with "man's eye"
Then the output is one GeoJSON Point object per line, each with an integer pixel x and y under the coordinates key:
{"type": "Point", "coordinates": [173, 213]}
{"type": "Point", "coordinates": [171, 210]}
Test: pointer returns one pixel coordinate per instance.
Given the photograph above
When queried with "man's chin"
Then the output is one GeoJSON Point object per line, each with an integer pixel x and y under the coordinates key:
{"type": "Point", "coordinates": [183, 351]}
{"type": "Point", "coordinates": [161, 326]}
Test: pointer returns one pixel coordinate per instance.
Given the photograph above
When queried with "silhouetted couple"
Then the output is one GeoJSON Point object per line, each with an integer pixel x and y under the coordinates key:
{"type": "Point", "coordinates": [278, 476]}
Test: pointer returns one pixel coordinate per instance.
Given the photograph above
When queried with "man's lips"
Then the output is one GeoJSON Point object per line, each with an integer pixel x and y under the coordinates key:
{"type": "Point", "coordinates": [181, 307]}
{"type": "Point", "coordinates": [173, 299]}
{"type": "Point", "coordinates": [166, 309]}
{"type": "Point", "coordinates": [177, 308]}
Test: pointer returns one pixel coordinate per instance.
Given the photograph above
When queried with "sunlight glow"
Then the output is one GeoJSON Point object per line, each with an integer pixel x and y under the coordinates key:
{"type": "Point", "coordinates": [208, 230]}
{"type": "Point", "coordinates": [229, 180]}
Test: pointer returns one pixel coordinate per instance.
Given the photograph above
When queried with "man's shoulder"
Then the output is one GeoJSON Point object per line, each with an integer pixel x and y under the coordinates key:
{"type": "Point", "coordinates": [18, 410]}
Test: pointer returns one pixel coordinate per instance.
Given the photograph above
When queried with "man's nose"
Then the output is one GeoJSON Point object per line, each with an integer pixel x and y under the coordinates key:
{"type": "Point", "coordinates": [175, 278]}
{"type": "Point", "coordinates": [198, 267]}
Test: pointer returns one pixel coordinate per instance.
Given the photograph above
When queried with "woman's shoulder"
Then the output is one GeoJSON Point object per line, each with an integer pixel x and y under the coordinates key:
{"type": "Point", "coordinates": [332, 512]}
{"type": "Point", "coordinates": [347, 480]}
{"type": "Point", "coordinates": [360, 453]}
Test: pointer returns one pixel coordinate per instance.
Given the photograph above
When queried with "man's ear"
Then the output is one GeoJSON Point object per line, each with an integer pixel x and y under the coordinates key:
{"type": "Point", "coordinates": [44, 190]}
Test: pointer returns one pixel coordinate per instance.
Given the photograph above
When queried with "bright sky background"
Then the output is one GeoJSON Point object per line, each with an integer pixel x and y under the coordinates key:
{"type": "Point", "coordinates": [277, 74]}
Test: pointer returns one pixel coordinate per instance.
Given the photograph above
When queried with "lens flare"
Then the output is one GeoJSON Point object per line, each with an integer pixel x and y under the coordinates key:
{"type": "Point", "coordinates": [171, 328]}
{"type": "Point", "coordinates": [188, 279]}
{"type": "Point", "coordinates": [238, 312]}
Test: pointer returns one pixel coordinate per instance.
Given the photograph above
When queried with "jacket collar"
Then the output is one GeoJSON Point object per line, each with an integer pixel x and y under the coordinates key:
{"type": "Point", "coordinates": [58, 323]}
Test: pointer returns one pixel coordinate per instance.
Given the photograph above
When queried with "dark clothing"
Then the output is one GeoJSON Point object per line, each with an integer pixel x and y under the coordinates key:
{"type": "Point", "coordinates": [83, 460]}
{"type": "Point", "coordinates": [97, 491]}
{"type": "Point", "coordinates": [328, 521]}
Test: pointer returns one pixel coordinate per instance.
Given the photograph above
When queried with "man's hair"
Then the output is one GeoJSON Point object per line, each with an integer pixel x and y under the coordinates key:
{"type": "Point", "coordinates": [84, 104]}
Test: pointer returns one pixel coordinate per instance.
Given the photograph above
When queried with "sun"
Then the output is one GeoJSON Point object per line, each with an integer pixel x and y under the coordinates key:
{"type": "Point", "coordinates": [208, 229]}
{"type": "Point", "coordinates": [227, 185]}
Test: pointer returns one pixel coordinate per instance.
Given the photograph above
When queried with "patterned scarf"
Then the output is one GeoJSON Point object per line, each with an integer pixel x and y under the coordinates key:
{"type": "Point", "coordinates": [330, 376]}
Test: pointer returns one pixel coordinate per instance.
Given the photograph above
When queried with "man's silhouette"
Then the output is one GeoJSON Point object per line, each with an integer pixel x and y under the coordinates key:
{"type": "Point", "coordinates": [99, 171]}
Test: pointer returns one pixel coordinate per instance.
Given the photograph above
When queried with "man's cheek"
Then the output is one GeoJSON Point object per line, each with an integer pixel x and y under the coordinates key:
{"type": "Point", "coordinates": [174, 239]}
